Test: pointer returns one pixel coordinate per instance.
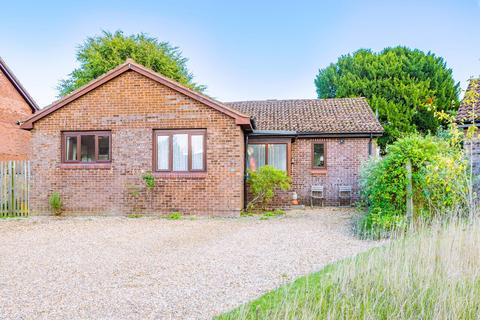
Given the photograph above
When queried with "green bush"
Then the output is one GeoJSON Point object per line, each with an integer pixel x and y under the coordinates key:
{"type": "Point", "coordinates": [264, 184]}
{"type": "Point", "coordinates": [439, 180]}
{"type": "Point", "coordinates": [56, 203]}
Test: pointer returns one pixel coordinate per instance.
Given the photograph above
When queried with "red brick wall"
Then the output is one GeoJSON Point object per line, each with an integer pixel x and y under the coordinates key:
{"type": "Point", "coordinates": [132, 106]}
{"type": "Point", "coordinates": [344, 161]}
{"type": "Point", "coordinates": [14, 142]}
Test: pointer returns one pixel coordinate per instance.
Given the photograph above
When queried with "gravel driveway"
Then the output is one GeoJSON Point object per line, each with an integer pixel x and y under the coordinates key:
{"type": "Point", "coordinates": [153, 268]}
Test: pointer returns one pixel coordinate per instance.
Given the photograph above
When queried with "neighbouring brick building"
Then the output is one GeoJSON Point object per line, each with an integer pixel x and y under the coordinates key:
{"type": "Point", "coordinates": [94, 145]}
{"type": "Point", "coordinates": [15, 105]}
{"type": "Point", "coordinates": [468, 115]}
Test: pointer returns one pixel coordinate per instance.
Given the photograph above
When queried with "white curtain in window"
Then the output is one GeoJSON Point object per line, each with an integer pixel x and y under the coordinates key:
{"type": "Point", "coordinates": [163, 152]}
{"type": "Point", "coordinates": [197, 152]}
{"type": "Point", "coordinates": [71, 148]}
{"type": "Point", "coordinates": [180, 152]}
{"type": "Point", "coordinates": [256, 156]}
{"type": "Point", "coordinates": [277, 156]}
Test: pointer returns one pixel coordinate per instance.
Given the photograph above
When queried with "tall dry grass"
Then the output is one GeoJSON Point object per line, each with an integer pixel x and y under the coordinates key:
{"type": "Point", "coordinates": [430, 272]}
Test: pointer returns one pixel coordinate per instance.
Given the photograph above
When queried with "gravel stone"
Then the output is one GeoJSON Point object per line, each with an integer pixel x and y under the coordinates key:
{"type": "Point", "coordinates": [154, 268]}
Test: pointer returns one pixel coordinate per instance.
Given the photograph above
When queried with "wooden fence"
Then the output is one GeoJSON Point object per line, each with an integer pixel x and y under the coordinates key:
{"type": "Point", "coordinates": [14, 188]}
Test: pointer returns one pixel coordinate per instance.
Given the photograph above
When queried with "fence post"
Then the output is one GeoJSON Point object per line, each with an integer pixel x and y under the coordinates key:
{"type": "Point", "coordinates": [2, 190]}
{"type": "Point", "coordinates": [408, 168]}
{"type": "Point", "coordinates": [11, 186]}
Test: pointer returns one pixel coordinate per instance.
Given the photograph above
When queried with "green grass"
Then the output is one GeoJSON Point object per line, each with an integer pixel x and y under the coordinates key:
{"type": "Point", "coordinates": [13, 217]}
{"type": "Point", "coordinates": [430, 274]}
{"type": "Point", "coordinates": [264, 215]}
{"type": "Point", "coordinates": [174, 216]}
{"type": "Point", "coordinates": [134, 216]}
{"type": "Point", "coordinates": [274, 213]}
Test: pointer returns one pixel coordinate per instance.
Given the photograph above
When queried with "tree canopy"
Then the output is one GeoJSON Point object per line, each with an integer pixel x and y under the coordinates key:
{"type": "Point", "coordinates": [102, 53]}
{"type": "Point", "coordinates": [406, 86]}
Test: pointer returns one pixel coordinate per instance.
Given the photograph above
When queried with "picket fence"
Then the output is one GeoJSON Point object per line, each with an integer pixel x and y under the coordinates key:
{"type": "Point", "coordinates": [14, 188]}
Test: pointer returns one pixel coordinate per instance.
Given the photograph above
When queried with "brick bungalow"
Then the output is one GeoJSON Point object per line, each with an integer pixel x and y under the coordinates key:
{"type": "Point", "coordinates": [94, 145]}
{"type": "Point", "coordinates": [15, 105]}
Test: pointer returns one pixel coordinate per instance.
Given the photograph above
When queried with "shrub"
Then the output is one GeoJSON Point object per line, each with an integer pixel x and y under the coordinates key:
{"type": "Point", "coordinates": [439, 180]}
{"type": "Point", "coordinates": [264, 184]}
{"type": "Point", "coordinates": [56, 204]}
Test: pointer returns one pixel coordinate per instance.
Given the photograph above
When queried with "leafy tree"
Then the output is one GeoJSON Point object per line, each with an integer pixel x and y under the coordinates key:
{"type": "Point", "coordinates": [100, 54]}
{"type": "Point", "coordinates": [405, 85]}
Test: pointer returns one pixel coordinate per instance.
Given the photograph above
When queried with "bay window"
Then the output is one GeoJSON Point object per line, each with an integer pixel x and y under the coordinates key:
{"type": "Point", "coordinates": [180, 150]}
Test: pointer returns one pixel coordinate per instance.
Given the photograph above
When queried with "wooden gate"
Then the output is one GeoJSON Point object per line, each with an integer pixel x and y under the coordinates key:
{"type": "Point", "coordinates": [14, 188]}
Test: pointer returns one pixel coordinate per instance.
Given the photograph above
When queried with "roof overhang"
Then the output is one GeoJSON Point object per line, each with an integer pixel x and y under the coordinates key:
{"type": "Point", "coordinates": [295, 134]}
{"type": "Point", "coordinates": [240, 119]}
{"type": "Point", "coordinates": [273, 133]}
{"type": "Point", "coordinates": [339, 134]}
{"type": "Point", "coordinates": [18, 86]}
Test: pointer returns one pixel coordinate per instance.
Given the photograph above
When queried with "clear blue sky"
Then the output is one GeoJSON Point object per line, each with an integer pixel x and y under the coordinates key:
{"type": "Point", "coordinates": [244, 49]}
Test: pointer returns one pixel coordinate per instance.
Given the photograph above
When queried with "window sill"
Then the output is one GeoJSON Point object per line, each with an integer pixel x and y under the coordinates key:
{"type": "Point", "coordinates": [318, 171]}
{"type": "Point", "coordinates": [180, 175]}
{"type": "Point", "coordinates": [85, 165]}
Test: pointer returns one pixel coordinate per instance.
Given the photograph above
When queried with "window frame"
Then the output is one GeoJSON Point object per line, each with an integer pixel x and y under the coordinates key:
{"type": "Point", "coordinates": [170, 133]}
{"type": "Point", "coordinates": [266, 142]}
{"type": "Point", "coordinates": [78, 135]}
{"type": "Point", "coordinates": [324, 155]}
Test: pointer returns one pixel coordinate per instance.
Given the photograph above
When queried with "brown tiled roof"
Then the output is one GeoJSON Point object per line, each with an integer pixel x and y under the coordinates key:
{"type": "Point", "coordinates": [240, 119]}
{"type": "Point", "coordinates": [470, 106]}
{"type": "Point", "coordinates": [346, 115]}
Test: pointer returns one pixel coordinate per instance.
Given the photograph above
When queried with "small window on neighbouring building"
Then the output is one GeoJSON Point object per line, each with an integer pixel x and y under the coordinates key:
{"type": "Point", "coordinates": [86, 147]}
{"type": "Point", "coordinates": [318, 155]}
